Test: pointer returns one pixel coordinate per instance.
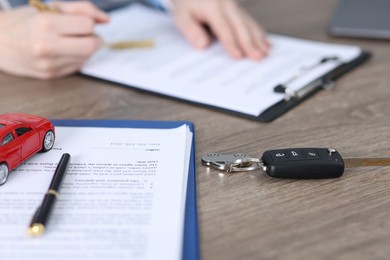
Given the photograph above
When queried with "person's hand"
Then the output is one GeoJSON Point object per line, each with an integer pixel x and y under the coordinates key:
{"type": "Point", "coordinates": [49, 45]}
{"type": "Point", "coordinates": [239, 33]}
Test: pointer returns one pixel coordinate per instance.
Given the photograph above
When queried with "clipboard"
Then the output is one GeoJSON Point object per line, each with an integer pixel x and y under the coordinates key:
{"type": "Point", "coordinates": [209, 78]}
{"type": "Point", "coordinates": [191, 249]}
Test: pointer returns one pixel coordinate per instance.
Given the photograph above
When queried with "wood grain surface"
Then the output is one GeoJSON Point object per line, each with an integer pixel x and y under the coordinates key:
{"type": "Point", "coordinates": [250, 215]}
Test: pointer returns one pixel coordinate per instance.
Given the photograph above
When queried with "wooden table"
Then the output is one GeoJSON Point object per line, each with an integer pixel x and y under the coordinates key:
{"type": "Point", "coordinates": [250, 215]}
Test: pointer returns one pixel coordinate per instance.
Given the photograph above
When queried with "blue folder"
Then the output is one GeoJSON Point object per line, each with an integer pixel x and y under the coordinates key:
{"type": "Point", "coordinates": [191, 237]}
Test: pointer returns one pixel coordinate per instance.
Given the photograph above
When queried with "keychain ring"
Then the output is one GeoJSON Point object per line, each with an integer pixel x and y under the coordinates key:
{"type": "Point", "coordinates": [244, 165]}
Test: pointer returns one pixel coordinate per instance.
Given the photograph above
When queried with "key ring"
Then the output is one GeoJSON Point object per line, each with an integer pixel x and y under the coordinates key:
{"type": "Point", "coordinates": [238, 162]}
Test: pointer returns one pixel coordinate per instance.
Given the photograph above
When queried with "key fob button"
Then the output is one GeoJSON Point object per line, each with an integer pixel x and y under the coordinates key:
{"type": "Point", "coordinates": [279, 156]}
{"type": "Point", "coordinates": [311, 154]}
{"type": "Point", "coordinates": [295, 155]}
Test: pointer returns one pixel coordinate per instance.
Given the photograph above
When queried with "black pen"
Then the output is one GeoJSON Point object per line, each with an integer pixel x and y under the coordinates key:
{"type": "Point", "coordinates": [38, 222]}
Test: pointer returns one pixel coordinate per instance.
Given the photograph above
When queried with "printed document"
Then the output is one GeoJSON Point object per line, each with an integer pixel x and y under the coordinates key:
{"type": "Point", "coordinates": [174, 68]}
{"type": "Point", "coordinates": [123, 196]}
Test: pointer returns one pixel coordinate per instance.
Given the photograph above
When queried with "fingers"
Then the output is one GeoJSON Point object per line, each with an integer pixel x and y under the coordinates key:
{"type": "Point", "coordinates": [75, 47]}
{"type": "Point", "coordinates": [220, 26]}
{"type": "Point", "coordinates": [259, 35]}
{"type": "Point", "coordinates": [61, 43]}
{"type": "Point", "coordinates": [244, 38]}
{"type": "Point", "coordinates": [82, 8]}
{"type": "Point", "coordinates": [56, 67]}
{"type": "Point", "coordinates": [248, 37]}
{"type": "Point", "coordinates": [82, 47]}
{"type": "Point", "coordinates": [64, 24]}
{"type": "Point", "coordinates": [50, 69]}
{"type": "Point", "coordinates": [193, 30]}
{"type": "Point", "coordinates": [76, 18]}
{"type": "Point", "coordinates": [60, 73]}
{"type": "Point", "coordinates": [239, 33]}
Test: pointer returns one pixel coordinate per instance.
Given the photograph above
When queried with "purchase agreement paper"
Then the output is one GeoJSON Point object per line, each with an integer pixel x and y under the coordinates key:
{"type": "Point", "coordinates": [123, 196]}
{"type": "Point", "coordinates": [174, 68]}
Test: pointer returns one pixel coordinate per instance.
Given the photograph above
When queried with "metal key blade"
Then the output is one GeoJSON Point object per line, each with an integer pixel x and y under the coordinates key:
{"type": "Point", "coordinates": [359, 162]}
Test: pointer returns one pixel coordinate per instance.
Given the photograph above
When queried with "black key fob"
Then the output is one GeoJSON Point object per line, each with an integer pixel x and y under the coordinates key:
{"type": "Point", "coordinates": [303, 163]}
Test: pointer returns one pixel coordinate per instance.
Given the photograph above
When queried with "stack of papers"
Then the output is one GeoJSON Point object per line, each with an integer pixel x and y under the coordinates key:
{"type": "Point", "coordinates": [123, 197]}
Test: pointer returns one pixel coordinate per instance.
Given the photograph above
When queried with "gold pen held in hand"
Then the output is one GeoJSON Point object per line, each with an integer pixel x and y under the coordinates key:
{"type": "Point", "coordinates": [42, 6]}
{"type": "Point", "coordinates": [119, 45]}
{"type": "Point", "coordinates": [38, 222]}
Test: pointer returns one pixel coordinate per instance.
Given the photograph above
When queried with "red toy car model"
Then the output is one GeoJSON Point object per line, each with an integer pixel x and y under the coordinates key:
{"type": "Point", "coordinates": [21, 136]}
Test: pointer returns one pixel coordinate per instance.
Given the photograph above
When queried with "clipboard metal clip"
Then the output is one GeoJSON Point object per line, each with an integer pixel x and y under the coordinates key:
{"type": "Point", "coordinates": [316, 84]}
{"type": "Point", "coordinates": [297, 94]}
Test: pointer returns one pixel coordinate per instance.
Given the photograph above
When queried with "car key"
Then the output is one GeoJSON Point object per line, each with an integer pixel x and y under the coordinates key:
{"type": "Point", "coordinates": [293, 163]}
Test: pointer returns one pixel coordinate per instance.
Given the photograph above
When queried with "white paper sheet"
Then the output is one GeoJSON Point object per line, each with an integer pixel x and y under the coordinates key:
{"type": "Point", "coordinates": [209, 76]}
{"type": "Point", "coordinates": [122, 198]}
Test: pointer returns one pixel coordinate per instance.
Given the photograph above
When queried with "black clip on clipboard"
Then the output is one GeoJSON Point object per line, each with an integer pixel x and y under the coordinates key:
{"type": "Point", "coordinates": [327, 81]}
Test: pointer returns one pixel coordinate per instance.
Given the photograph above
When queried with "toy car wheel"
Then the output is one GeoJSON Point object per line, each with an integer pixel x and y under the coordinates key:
{"type": "Point", "coordinates": [3, 173]}
{"type": "Point", "coordinates": [48, 141]}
